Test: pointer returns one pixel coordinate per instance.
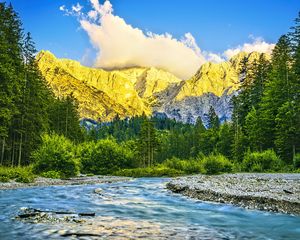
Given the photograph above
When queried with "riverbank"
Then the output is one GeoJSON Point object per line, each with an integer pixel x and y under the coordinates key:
{"type": "Point", "coordinates": [44, 182]}
{"type": "Point", "coordinates": [267, 192]}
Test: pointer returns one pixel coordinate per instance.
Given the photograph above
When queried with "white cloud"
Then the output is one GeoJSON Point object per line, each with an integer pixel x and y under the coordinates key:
{"type": "Point", "coordinates": [77, 8]}
{"type": "Point", "coordinates": [213, 57]}
{"type": "Point", "coordinates": [62, 8]}
{"type": "Point", "coordinates": [87, 58]}
{"type": "Point", "coordinates": [92, 15]}
{"type": "Point", "coordinates": [258, 45]}
{"type": "Point", "coordinates": [119, 45]}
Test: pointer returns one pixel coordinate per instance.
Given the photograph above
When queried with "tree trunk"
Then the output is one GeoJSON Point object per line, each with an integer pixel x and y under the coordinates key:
{"type": "Point", "coordinates": [13, 151]}
{"type": "Point", "coordinates": [20, 150]}
{"type": "Point", "coordinates": [294, 154]}
{"type": "Point", "coordinates": [67, 121]}
{"type": "Point", "coordinates": [149, 149]}
{"type": "Point", "coordinates": [2, 153]}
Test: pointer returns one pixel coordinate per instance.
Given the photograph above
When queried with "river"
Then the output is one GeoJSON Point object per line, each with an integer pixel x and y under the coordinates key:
{"type": "Point", "coordinates": [141, 207]}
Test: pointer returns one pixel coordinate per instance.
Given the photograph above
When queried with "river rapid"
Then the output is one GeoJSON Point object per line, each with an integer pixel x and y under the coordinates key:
{"type": "Point", "coordinates": [140, 208]}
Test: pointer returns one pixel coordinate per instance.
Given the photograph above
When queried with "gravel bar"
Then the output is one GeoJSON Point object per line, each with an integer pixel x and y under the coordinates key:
{"type": "Point", "coordinates": [43, 182]}
{"type": "Point", "coordinates": [268, 192]}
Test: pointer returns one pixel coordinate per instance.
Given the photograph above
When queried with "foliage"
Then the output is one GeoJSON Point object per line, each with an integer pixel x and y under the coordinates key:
{"type": "Point", "coordinates": [147, 143]}
{"type": "Point", "coordinates": [216, 163]}
{"type": "Point", "coordinates": [51, 174]}
{"type": "Point", "coordinates": [105, 157]}
{"type": "Point", "coordinates": [158, 171]}
{"type": "Point", "coordinates": [296, 161]}
{"type": "Point", "coordinates": [56, 153]}
{"type": "Point", "coordinates": [261, 161]}
{"type": "Point", "coordinates": [20, 174]}
{"type": "Point", "coordinates": [64, 119]}
{"type": "Point", "coordinates": [190, 166]}
{"type": "Point", "coordinates": [4, 179]}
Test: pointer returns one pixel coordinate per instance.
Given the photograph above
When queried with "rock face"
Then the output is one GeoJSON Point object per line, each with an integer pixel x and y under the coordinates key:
{"type": "Point", "coordinates": [102, 95]}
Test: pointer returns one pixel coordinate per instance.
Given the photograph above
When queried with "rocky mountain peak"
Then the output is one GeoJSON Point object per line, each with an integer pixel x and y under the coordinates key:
{"type": "Point", "coordinates": [103, 94]}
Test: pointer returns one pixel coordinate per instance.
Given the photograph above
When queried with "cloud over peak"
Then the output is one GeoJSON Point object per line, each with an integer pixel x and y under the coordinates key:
{"type": "Point", "coordinates": [258, 45]}
{"type": "Point", "coordinates": [119, 45]}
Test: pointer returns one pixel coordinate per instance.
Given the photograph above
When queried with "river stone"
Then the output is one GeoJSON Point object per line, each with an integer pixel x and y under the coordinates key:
{"type": "Point", "coordinates": [98, 191]}
{"type": "Point", "coordinates": [267, 192]}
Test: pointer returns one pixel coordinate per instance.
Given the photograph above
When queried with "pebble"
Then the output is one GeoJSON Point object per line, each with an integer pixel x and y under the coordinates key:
{"type": "Point", "coordinates": [270, 192]}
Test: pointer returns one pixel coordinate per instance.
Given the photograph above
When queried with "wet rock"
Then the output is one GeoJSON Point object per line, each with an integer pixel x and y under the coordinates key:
{"type": "Point", "coordinates": [98, 191]}
{"type": "Point", "coordinates": [287, 191]}
{"type": "Point", "coordinates": [32, 215]}
{"type": "Point", "coordinates": [87, 214]}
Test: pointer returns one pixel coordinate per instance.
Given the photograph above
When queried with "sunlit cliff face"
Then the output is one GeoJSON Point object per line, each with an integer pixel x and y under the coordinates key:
{"type": "Point", "coordinates": [135, 91]}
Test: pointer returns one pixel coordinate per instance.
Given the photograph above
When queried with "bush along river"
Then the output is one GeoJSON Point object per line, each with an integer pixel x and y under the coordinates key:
{"type": "Point", "coordinates": [138, 208]}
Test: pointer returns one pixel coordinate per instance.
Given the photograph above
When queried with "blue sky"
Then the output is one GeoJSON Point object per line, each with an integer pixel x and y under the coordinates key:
{"type": "Point", "coordinates": [216, 25]}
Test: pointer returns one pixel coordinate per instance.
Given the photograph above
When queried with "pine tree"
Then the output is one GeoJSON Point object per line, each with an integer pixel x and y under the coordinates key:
{"type": "Point", "coordinates": [253, 130]}
{"type": "Point", "coordinates": [197, 134]}
{"type": "Point", "coordinates": [287, 130]}
{"type": "Point", "coordinates": [148, 143]}
{"type": "Point", "coordinates": [64, 119]}
{"type": "Point", "coordinates": [277, 90]}
{"type": "Point", "coordinates": [225, 139]}
{"type": "Point", "coordinates": [34, 105]}
{"type": "Point", "coordinates": [287, 134]}
{"type": "Point", "coordinates": [11, 81]}
{"type": "Point", "coordinates": [213, 119]}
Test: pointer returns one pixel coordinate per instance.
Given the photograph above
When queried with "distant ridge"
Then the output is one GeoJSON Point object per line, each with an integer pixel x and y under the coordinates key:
{"type": "Point", "coordinates": [102, 95]}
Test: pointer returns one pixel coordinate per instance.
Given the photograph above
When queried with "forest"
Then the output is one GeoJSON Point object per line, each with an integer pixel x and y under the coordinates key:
{"type": "Point", "coordinates": [42, 135]}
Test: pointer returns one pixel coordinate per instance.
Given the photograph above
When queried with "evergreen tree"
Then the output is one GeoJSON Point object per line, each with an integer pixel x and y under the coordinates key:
{"type": "Point", "coordinates": [64, 119]}
{"type": "Point", "coordinates": [213, 119]}
{"type": "Point", "coordinates": [147, 143]}
{"type": "Point", "coordinates": [225, 140]}
{"type": "Point", "coordinates": [253, 130]}
{"type": "Point", "coordinates": [277, 90]}
{"type": "Point", "coordinates": [11, 80]}
{"type": "Point", "coordinates": [34, 104]}
{"type": "Point", "coordinates": [197, 135]}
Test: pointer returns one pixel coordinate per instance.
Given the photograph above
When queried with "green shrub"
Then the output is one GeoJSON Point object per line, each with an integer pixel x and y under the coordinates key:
{"type": "Point", "coordinates": [51, 174]}
{"type": "Point", "coordinates": [20, 174]}
{"type": "Point", "coordinates": [4, 179]}
{"type": "Point", "coordinates": [56, 153]}
{"type": "Point", "coordinates": [261, 161]}
{"type": "Point", "coordinates": [187, 166]}
{"type": "Point", "coordinates": [105, 157]}
{"type": "Point", "coordinates": [216, 163]}
{"type": "Point", "coordinates": [296, 160]}
{"type": "Point", "coordinates": [158, 171]}
{"type": "Point", "coordinates": [25, 178]}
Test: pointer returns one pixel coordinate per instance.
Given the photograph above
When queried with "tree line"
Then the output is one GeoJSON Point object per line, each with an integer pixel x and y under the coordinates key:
{"type": "Point", "coordinates": [28, 107]}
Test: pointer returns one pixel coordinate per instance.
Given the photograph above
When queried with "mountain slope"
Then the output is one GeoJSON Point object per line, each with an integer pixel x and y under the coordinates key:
{"type": "Point", "coordinates": [135, 91]}
{"type": "Point", "coordinates": [103, 94]}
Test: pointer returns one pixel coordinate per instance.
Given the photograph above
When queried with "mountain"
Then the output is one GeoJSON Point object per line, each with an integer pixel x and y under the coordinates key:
{"type": "Point", "coordinates": [102, 95]}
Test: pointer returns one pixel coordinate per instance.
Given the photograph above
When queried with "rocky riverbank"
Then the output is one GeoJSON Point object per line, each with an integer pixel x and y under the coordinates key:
{"type": "Point", "coordinates": [43, 182]}
{"type": "Point", "coordinates": [268, 192]}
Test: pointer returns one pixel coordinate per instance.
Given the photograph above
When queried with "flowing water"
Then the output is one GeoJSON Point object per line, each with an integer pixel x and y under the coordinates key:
{"type": "Point", "coordinates": [139, 208]}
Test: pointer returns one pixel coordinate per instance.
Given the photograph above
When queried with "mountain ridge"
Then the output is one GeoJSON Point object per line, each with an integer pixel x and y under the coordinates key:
{"type": "Point", "coordinates": [102, 94]}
